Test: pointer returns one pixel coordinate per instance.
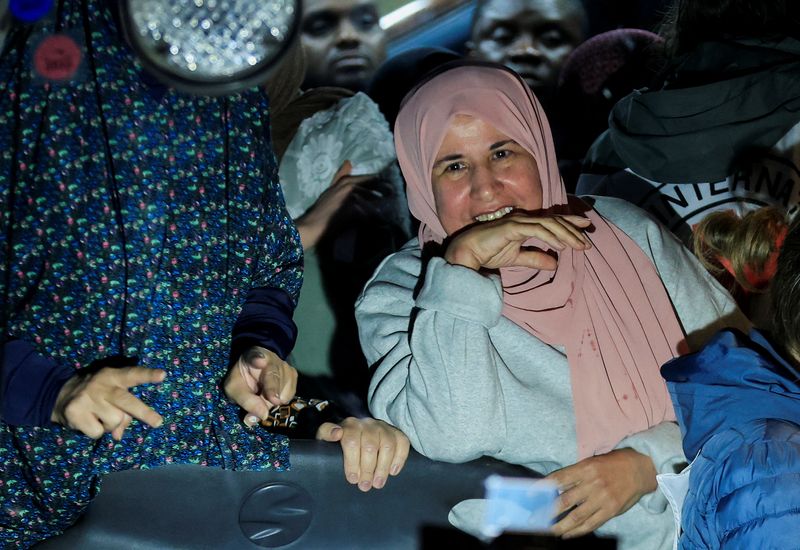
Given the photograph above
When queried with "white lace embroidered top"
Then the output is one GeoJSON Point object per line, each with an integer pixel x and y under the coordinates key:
{"type": "Point", "coordinates": [354, 129]}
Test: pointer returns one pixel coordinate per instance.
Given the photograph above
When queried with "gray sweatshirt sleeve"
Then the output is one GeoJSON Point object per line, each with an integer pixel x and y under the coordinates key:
{"type": "Point", "coordinates": [436, 373]}
{"type": "Point", "coordinates": [439, 378]}
{"type": "Point", "coordinates": [662, 443]}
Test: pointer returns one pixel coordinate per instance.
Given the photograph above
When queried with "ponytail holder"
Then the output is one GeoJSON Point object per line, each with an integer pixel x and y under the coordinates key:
{"type": "Point", "coordinates": [761, 280]}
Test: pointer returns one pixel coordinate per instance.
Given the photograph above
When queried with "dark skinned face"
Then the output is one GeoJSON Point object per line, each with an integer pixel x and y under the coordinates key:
{"type": "Point", "coordinates": [343, 43]}
{"type": "Point", "coordinates": [531, 37]}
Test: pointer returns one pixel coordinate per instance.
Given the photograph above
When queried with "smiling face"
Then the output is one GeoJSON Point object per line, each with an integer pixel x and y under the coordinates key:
{"type": "Point", "coordinates": [531, 37]}
{"type": "Point", "coordinates": [343, 43]}
{"type": "Point", "coordinates": [481, 174]}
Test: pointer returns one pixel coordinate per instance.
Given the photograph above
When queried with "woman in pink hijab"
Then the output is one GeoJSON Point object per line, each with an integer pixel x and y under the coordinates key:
{"type": "Point", "coordinates": [526, 324]}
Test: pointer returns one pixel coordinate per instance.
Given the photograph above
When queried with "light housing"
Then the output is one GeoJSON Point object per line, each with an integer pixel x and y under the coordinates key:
{"type": "Point", "coordinates": [210, 47]}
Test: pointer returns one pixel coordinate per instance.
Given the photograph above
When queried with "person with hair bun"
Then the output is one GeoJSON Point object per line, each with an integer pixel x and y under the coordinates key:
{"type": "Point", "coordinates": [738, 399]}
{"type": "Point", "coordinates": [742, 253]}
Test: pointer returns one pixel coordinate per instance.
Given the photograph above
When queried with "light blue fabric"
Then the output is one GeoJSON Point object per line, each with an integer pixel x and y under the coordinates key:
{"type": "Point", "coordinates": [738, 405]}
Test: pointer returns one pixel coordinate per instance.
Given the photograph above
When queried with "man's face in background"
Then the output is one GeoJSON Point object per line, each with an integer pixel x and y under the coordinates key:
{"type": "Point", "coordinates": [531, 37]}
{"type": "Point", "coordinates": [343, 43]}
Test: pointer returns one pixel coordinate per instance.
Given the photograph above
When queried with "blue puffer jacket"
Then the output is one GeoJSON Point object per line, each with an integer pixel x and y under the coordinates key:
{"type": "Point", "coordinates": [738, 405]}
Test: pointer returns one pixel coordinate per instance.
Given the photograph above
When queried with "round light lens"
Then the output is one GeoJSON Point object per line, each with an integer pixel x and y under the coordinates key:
{"type": "Point", "coordinates": [210, 47]}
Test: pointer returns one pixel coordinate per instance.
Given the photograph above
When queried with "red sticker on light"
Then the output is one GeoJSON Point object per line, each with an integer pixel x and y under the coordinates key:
{"type": "Point", "coordinates": [57, 57]}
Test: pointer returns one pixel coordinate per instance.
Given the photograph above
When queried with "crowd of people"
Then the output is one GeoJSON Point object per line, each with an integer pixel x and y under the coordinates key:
{"type": "Point", "coordinates": [399, 238]}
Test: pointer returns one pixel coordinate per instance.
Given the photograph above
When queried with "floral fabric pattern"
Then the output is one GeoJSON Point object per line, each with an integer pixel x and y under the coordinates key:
{"type": "Point", "coordinates": [138, 219]}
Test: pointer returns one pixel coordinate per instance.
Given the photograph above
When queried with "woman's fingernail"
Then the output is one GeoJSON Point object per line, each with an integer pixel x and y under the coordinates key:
{"type": "Point", "coordinates": [365, 485]}
{"type": "Point", "coordinates": [352, 477]}
{"type": "Point", "coordinates": [252, 420]}
{"type": "Point", "coordinates": [395, 469]}
{"type": "Point", "coordinates": [378, 482]}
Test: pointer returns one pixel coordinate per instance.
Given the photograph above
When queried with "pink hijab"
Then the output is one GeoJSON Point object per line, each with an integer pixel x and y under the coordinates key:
{"type": "Point", "coordinates": [607, 306]}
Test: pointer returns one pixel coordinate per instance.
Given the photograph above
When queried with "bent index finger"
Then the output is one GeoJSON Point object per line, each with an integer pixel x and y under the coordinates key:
{"type": "Point", "coordinates": [129, 403]}
{"type": "Point", "coordinates": [134, 376]}
{"type": "Point", "coordinates": [577, 220]}
{"type": "Point", "coordinates": [351, 454]}
{"type": "Point", "coordinates": [559, 227]}
{"type": "Point", "coordinates": [272, 380]}
{"type": "Point", "coordinates": [289, 387]}
{"type": "Point", "coordinates": [536, 259]}
{"type": "Point", "coordinates": [576, 231]}
{"type": "Point", "coordinates": [370, 445]}
{"type": "Point", "coordinates": [402, 449]}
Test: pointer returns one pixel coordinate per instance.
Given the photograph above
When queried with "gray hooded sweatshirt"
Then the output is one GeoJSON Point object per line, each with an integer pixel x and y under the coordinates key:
{"type": "Point", "coordinates": [462, 381]}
